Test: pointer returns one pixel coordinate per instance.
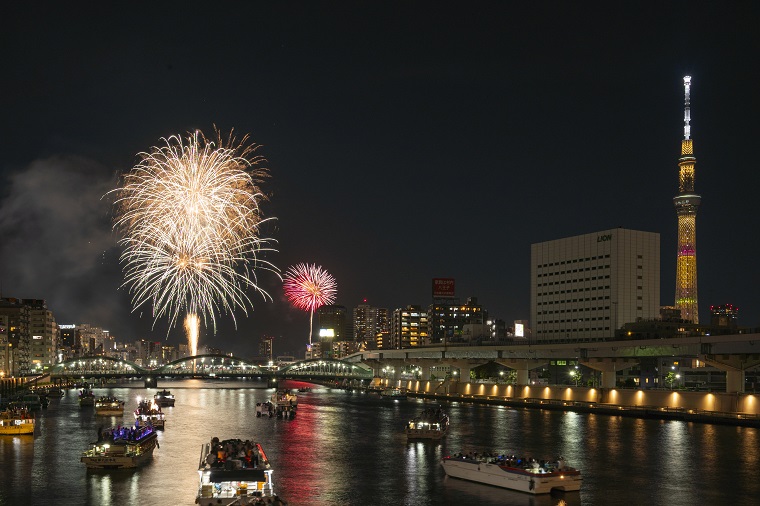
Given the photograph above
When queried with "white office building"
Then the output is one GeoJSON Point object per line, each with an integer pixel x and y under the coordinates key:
{"type": "Point", "coordinates": [585, 287]}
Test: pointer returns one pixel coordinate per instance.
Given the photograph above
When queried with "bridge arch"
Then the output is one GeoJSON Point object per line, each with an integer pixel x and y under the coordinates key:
{"type": "Point", "coordinates": [96, 364]}
{"type": "Point", "coordinates": [326, 368]}
{"type": "Point", "coordinates": [210, 363]}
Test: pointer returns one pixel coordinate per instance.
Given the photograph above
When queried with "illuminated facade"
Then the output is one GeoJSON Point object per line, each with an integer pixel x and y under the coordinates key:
{"type": "Point", "coordinates": [409, 328]}
{"type": "Point", "coordinates": [369, 322]}
{"type": "Point", "coordinates": [687, 203]}
{"type": "Point", "coordinates": [585, 287]}
{"type": "Point", "coordinates": [448, 318]}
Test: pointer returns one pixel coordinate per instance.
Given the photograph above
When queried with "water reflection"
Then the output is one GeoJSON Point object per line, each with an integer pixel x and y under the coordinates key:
{"type": "Point", "coordinates": [350, 449]}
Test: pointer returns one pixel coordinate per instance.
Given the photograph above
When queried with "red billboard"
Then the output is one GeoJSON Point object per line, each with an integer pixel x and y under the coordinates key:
{"type": "Point", "coordinates": [443, 287]}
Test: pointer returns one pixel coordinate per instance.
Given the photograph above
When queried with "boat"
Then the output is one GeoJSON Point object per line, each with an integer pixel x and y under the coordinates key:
{"type": "Point", "coordinates": [521, 474]}
{"type": "Point", "coordinates": [121, 448]}
{"type": "Point", "coordinates": [164, 398]}
{"type": "Point", "coordinates": [16, 421]}
{"type": "Point", "coordinates": [284, 404]}
{"type": "Point", "coordinates": [304, 389]}
{"type": "Point", "coordinates": [430, 424]}
{"type": "Point", "coordinates": [86, 397]}
{"type": "Point", "coordinates": [233, 471]}
{"type": "Point", "coordinates": [109, 406]}
{"type": "Point", "coordinates": [148, 412]}
{"type": "Point", "coordinates": [265, 409]}
{"type": "Point", "coordinates": [393, 393]}
{"type": "Point", "coordinates": [33, 401]}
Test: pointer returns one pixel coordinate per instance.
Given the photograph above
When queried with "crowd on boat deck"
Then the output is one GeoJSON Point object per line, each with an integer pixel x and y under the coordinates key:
{"type": "Point", "coordinates": [433, 414]}
{"type": "Point", "coordinates": [514, 461]}
{"type": "Point", "coordinates": [230, 453]}
{"type": "Point", "coordinates": [124, 433]}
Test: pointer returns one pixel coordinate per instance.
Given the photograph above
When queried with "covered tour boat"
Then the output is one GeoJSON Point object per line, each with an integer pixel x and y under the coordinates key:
{"type": "Point", "coordinates": [16, 421]}
{"type": "Point", "coordinates": [233, 471]}
{"type": "Point", "coordinates": [148, 412]}
{"type": "Point", "coordinates": [284, 403]}
{"type": "Point", "coordinates": [521, 474]}
{"type": "Point", "coordinates": [86, 397]}
{"type": "Point", "coordinates": [432, 423]}
{"type": "Point", "coordinates": [121, 447]}
{"type": "Point", "coordinates": [164, 398]}
{"type": "Point", "coordinates": [392, 393]}
{"type": "Point", "coordinates": [109, 406]}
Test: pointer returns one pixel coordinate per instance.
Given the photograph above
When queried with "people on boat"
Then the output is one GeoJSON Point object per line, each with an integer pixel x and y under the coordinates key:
{"type": "Point", "coordinates": [232, 453]}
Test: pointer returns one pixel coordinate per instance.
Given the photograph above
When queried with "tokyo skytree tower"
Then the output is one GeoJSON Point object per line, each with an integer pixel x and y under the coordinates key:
{"type": "Point", "coordinates": [687, 203]}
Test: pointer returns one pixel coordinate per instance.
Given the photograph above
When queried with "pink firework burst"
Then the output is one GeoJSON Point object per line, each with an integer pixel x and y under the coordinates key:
{"type": "Point", "coordinates": [308, 287]}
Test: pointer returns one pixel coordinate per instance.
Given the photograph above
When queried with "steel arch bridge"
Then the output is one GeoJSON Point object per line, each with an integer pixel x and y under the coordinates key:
{"type": "Point", "coordinates": [319, 368]}
{"type": "Point", "coordinates": [209, 366]}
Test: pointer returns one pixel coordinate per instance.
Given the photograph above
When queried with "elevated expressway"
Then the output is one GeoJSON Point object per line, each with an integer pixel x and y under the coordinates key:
{"type": "Point", "coordinates": [731, 353]}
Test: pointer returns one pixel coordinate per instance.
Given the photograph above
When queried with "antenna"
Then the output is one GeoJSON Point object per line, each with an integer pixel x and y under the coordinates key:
{"type": "Point", "coordinates": [687, 109]}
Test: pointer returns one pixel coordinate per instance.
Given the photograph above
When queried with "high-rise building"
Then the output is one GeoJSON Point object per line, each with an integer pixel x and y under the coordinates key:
{"type": "Point", "coordinates": [369, 322]}
{"type": "Point", "coordinates": [409, 328]}
{"type": "Point", "coordinates": [331, 323]}
{"type": "Point", "coordinates": [448, 318]}
{"type": "Point", "coordinates": [265, 349]}
{"type": "Point", "coordinates": [17, 335]}
{"type": "Point", "coordinates": [687, 203]}
{"type": "Point", "coordinates": [585, 287]}
{"type": "Point", "coordinates": [44, 335]}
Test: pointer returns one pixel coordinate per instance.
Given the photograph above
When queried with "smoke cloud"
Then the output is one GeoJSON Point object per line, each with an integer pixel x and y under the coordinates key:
{"type": "Point", "coordinates": [57, 242]}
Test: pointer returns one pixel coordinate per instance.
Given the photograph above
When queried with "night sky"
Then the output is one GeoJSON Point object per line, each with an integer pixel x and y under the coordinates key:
{"type": "Point", "coordinates": [405, 141]}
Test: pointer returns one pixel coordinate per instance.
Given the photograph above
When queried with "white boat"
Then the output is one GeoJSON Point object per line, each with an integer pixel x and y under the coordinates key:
{"type": "Point", "coordinates": [164, 398]}
{"type": "Point", "coordinates": [430, 424]}
{"type": "Point", "coordinates": [233, 471]}
{"type": "Point", "coordinates": [16, 421]}
{"type": "Point", "coordinates": [109, 406]}
{"type": "Point", "coordinates": [148, 412]}
{"type": "Point", "coordinates": [393, 393]}
{"type": "Point", "coordinates": [121, 447]}
{"type": "Point", "coordinates": [523, 475]}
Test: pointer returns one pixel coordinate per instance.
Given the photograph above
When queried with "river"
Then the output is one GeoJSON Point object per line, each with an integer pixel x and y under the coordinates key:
{"type": "Point", "coordinates": [349, 449]}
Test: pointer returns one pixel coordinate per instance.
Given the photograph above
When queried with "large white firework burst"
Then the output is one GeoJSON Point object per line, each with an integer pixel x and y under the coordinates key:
{"type": "Point", "coordinates": [189, 219]}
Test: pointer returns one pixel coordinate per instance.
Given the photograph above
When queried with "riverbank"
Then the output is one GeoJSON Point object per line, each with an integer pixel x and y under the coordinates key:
{"type": "Point", "coordinates": [703, 407]}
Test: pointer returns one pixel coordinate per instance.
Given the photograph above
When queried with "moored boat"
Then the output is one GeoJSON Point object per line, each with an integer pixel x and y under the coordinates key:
{"type": "Point", "coordinates": [109, 406]}
{"type": "Point", "coordinates": [521, 474]}
{"type": "Point", "coordinates": [121, 447]}
{"type": "Point", "coordinates": [233, 471]}
{"type": "Point", "coordinates": [86, 397]}
{"type": "Point", "coordinates": [430, 424]}
{"type": "Point", "coordinates": [164, 398]}
{"type": "Point", "coordinates": [16, 421]}
{"type": "Point", "coordinates": [148, 412]}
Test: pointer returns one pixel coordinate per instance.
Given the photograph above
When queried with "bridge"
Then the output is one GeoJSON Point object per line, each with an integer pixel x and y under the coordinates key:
{"type": "Point", "coordinates": [735, 354]}
{"type": "Point", "coordinates": [207, 366]}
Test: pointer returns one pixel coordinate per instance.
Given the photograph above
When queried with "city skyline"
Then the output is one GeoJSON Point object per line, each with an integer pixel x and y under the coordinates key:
{"type": "Point", "coordinates": [404, 143]}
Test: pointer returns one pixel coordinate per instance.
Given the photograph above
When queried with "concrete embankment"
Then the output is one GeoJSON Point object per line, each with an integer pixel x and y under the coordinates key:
{"type": "Point", "coordinates": [705, 407]}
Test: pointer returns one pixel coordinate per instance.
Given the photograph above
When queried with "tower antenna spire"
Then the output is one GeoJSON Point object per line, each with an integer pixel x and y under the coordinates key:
{"type": "Point", "coordinates": [686, 108]}
{"type": "Point", "coordinates": [687, 203]}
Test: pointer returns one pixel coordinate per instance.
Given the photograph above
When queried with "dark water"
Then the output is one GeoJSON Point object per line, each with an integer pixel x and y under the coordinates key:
{"type": "Point", "coordinates": [349, 449]}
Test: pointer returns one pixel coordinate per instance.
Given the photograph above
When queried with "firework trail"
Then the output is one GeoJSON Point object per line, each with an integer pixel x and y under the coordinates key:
{"type": "Point", "coordinates": [188, 218]}
{"type": "Point", "coordinates": [309, 287]}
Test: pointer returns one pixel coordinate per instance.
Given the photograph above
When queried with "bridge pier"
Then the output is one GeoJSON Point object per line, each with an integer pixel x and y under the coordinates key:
{"type": "Point", "coordinates": [523, 367]}
{"type": "Point", "coordinates": [609, 368]}
{"type": "Point", "coordinates": [734, 365]}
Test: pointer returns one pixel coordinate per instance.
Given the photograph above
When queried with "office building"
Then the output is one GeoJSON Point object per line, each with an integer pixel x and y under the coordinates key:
{"type": "Point", "coordinates": [585, 287]}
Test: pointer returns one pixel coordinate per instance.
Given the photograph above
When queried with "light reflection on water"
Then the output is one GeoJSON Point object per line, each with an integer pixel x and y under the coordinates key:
{"type": "Point", "coordinates": [349, 449]}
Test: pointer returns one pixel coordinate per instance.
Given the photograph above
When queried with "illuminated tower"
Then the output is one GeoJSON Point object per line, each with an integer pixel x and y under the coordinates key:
{"type": "Point", "coordinates": [687, 203]}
